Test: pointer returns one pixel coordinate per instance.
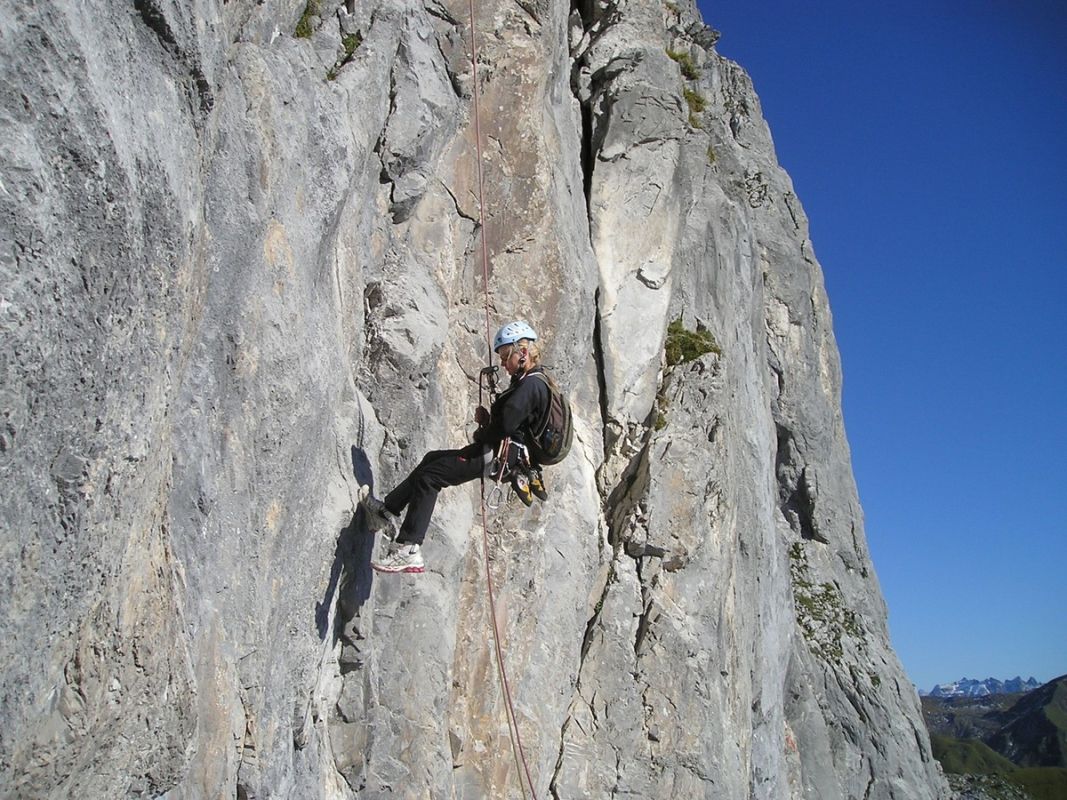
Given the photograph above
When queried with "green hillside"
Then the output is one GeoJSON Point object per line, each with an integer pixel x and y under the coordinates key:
{"type": "Point", "coordinates": [974, 758]}
{"type": "Point", "coordinates": [1043, 783]}
{"type": "Point", "coordinates": [1024, 738]}
{"type": "Point", "coordinates": [969, 757]}
{"type": "Point", "coordinates": [1035, 731]}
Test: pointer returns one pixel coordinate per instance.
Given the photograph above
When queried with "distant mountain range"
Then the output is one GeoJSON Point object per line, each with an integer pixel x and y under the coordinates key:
{"type": "Point", "coordinates": [969, 687]}
{"type": "Point", "coordinates": [1016, 737]}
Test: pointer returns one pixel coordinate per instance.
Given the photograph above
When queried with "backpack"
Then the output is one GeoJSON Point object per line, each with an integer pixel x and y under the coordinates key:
{"type": "Point", "coordinates": [550, 439]}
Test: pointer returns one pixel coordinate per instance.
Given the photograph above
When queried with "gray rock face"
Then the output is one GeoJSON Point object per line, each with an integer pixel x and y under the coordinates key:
{"type": "Point", "coordinates": [241, 278]}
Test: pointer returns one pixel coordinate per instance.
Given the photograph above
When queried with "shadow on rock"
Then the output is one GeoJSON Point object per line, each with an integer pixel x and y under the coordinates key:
{"type": "Point", "coordinates": [351, 574]}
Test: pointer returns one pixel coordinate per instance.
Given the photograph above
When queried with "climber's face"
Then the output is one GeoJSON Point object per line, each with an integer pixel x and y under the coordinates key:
{"type": "Point", "coordinates": [510, 356]}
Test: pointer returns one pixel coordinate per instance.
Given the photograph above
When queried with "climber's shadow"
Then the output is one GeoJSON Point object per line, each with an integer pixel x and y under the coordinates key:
{"type": "Point", "coordinates": [351, 573]}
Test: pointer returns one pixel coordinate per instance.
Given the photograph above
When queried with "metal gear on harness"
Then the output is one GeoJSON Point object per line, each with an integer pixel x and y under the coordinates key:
{"type": "Point", "coordinates": [511, 462]}
{"type": "Point", "coordinates": [512, 465]}
{"type": "Point", "coordinates": [488, 374]}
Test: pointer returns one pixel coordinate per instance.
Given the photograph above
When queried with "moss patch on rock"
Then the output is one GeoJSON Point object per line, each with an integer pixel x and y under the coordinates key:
{"type": "Point", "coordinates": [685, 345]}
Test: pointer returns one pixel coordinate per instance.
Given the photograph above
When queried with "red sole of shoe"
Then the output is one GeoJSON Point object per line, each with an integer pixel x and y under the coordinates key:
{"type": "Point", "coordinates": [401, 571]}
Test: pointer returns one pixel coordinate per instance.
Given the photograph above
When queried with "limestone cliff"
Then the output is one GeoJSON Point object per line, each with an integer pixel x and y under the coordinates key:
{"type": "Point", "coordinates": [240, 279]}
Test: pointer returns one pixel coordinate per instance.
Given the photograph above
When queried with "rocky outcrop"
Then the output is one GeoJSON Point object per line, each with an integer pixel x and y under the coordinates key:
{"type": "Point", "coordinates": [241, 280]}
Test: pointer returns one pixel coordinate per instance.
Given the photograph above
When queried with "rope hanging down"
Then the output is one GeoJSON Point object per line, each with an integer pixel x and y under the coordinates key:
{"type": "Point", "coordinates": [513, 723]}
{"type": "Point", "coordinates": [481, 189]}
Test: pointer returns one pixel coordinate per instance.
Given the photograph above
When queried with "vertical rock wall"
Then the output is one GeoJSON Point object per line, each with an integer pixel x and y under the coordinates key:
{"type": "Point", "coordinates": [240, 278]}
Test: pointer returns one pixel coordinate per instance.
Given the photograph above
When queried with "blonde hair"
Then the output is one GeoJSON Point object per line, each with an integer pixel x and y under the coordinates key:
{"type": "Point", "coordinates": [533, 352]}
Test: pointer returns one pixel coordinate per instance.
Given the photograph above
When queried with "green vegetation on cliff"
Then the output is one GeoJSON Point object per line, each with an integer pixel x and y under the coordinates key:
{"type": "Point", "coordinates": [686, 345]}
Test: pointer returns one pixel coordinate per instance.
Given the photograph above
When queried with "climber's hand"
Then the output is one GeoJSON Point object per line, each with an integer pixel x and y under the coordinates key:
{"type": "Point", "coordinates": [481, 416]}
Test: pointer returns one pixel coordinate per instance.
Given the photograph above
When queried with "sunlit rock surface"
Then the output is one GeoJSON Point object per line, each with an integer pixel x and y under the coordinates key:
{"type": "Point", "coordinates": [241, 278]}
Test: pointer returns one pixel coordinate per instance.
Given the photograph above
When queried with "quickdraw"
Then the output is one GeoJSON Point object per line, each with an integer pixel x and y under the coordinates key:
{"type": "Point", "coordinates": [502, 471]}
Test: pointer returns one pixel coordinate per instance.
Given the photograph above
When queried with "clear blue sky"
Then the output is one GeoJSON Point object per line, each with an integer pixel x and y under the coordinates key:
{"type": "Point", "coordinates": [927, 141]}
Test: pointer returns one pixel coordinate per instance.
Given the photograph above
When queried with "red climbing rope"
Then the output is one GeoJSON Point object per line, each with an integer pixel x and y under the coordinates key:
{"type": "Point", "coordinates": [481, 189]}
{"type": "Point", "coordinates": [513, 723]}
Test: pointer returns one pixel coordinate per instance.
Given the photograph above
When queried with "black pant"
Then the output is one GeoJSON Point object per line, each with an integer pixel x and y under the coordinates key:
{"type": "Point", "coordinates": [418, 491]}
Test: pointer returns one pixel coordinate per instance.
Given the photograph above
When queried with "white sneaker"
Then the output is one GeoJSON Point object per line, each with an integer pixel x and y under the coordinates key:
{"type": "Point", "coordinates": [401, 558]}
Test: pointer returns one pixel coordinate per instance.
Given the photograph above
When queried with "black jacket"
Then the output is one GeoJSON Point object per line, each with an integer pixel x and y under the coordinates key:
{"type": "Point", "coordinates": [517, 410]}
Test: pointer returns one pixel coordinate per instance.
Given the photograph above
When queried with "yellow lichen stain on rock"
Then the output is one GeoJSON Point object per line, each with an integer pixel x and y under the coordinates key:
{"type": "Point", "coordinates": [274, 515]}
{"type": "Point", "coordinates": [246, 362]}
{"type": "Point", "coordinates": [276, 249]}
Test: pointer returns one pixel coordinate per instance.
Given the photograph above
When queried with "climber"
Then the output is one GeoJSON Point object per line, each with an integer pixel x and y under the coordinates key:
{"type": "Point", "coordinates": [509, 421]}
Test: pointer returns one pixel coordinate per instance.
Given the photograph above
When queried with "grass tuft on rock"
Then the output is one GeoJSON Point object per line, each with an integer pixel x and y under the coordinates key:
{"type": "Point", "coordinates": [350, 43]}
{"type": "Point", "coordinates": [304, 29]}
{"type": "Point", "coordinates": [697, 103]}
{"type": "Point", "coordinates": [690, 71]}
{"type": "Point", "coordinates": [685, 345]}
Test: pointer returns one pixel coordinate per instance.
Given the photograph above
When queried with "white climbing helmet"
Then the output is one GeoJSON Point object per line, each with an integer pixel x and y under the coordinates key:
{"type": "Point", "coordinates": [513, 332]}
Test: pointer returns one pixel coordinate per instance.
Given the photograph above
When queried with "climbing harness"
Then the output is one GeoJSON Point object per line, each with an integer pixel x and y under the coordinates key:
{"type": "Point", "coordinates": [502, 467]}
{"type": "Point", "coordinates": [502, 471]}
{"type": "Point", "coordinates": [490, 374]}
